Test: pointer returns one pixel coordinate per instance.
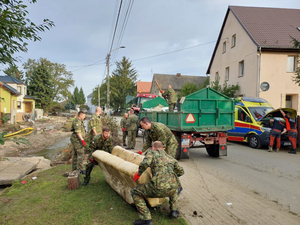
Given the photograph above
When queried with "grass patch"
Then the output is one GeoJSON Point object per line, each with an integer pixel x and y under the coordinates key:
{"type": "Point", "coordinates": [47, 200]}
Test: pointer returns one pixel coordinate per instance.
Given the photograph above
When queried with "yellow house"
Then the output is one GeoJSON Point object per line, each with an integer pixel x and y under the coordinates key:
{"type": "Point", "coordinates": [15, 97]}
{"type": "Point", "coordinates": [9, 98]}
{"type": "Point", "coordinates": [255, 50]}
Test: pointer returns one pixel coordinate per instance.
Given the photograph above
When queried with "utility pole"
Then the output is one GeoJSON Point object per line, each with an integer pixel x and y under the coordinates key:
{"type": "Point", "coordinates": [99, 95]}
{"type": "Point", "coordinates": [107, 80]}
{"type": "Point", "coordinates": [107, 84]}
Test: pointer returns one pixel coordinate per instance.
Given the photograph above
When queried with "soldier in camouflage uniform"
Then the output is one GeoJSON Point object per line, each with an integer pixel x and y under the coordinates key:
{"type": "Point", "coordinates": [102, 142]}
{"type": "Point", "coordinates": [131, 127]}
{"type": "Point", "coordinates": [94, 126]}
{"type": "Point", "coordinates": [164, 183]}
{"type": "Point", "coordinates": [123, 127]}
{"type": "Point", "coordinates": [158, 132]}
{"type": "Point", "coordinates": [77, 141]}
{"type": "Point", "coordinates": [172, 99]}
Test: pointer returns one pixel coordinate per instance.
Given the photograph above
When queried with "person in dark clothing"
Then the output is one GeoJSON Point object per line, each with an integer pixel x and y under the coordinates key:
{"type": "Point", "coordinates": [291, 129]}
{"type": "Point", "coordinates": [276, 132]}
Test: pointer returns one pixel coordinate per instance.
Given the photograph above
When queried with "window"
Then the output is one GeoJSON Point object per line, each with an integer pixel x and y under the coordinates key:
{"type": "Point", "coordinates": [288, 101]}
{"type": "Point", "coordinates": [241, 68]}
{"type": "Point", "coordinates": [227, 74]}
{"type": "Point", "coordinates": [18, 104]}
{"type": "Point", "coordinates": [291, 64]}
{"type": "Point", "coordinates": [217, 76]}
{"type": "Point", "coordinates": [19, 89]}
{"type": "Point", "coordinates": [233, 41]}
{"type": "Point", "coordinates": [224, 46]}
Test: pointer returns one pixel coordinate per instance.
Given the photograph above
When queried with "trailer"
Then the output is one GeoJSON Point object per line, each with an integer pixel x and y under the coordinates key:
{"type": "Point", "coordinates": [203, 117]}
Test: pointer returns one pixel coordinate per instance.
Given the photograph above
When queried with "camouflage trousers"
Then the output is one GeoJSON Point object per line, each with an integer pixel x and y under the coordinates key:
{"type": "Point", "coordinates": [140, 192]}
{"type": "Point", "coordinates": [78, 154]}
{"type": "Point", "coordinates": [124, 136]}
{"type": "Point", "coordinates": [171, 107]}
{"type": "Point", "coordinates": [171, 147]}
{"type": "Point", "coordinates": [131, 138]}
{"type": "Point", "coordinates": [89, 167]}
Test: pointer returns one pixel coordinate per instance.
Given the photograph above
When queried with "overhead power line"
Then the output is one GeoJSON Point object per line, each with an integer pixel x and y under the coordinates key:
{"type": "Point", "coordinates": [173, 51]}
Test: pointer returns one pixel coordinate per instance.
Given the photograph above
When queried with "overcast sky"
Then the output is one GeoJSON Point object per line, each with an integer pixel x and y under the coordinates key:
{"type": "Point", "coordinates": [82, 36]}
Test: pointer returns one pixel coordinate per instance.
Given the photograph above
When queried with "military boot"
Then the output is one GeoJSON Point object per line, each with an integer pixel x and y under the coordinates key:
{"type": "Point", "coordinates": [174, 213]}
{"type": "Point", "coordinates": [277, 149]}
{"type": "Point", "coordinates": [293, 152]}
{"type": "Point", "coordinates": [141, 222]}
{"type": "Point", "coordinates": [270, 149]}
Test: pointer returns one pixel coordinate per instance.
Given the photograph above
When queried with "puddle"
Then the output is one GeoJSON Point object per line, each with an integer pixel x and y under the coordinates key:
{"type": "Point", "coordinates": [52, 151]}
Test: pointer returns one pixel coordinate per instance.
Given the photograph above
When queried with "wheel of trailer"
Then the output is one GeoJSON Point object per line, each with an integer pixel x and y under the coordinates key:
{"type": "Point", "coordinates": [212, 150]}
{"type": "Point", "coordinates": [178, 150]}
{"type": "Point", "coordinates": [254, 141]}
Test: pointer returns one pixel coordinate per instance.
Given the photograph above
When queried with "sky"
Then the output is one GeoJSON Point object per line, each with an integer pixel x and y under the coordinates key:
{"type": "Point", "coordinates": [160, 36]}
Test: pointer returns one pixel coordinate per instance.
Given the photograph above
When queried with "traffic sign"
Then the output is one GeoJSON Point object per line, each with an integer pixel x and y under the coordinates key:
{"type": "Point", "coordinates": [190, 118]}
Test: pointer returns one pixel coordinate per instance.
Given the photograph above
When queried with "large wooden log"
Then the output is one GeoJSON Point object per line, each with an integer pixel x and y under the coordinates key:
{"type": "Point", "coordinates": [119, 168]}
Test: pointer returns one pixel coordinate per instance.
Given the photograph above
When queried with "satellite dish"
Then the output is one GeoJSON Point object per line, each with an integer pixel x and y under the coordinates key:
{"type": "Point", "coordinates": [264, 86]}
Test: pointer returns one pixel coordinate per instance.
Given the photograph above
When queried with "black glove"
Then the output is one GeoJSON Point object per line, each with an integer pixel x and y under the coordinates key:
{"type": "Point", "coordinates": [94, 161]}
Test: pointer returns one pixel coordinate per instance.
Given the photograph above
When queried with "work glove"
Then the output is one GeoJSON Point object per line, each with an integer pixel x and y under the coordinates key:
{"type": "Point", "coordinates": [123, 129]}
{"type": "Point", "coordinates": [161, 91]}
{"type": "Point", "coordinates": [83, 142]}
{"type": "Point", "coordinates": [94, 161]}
{"type": "Point", "coordinates": [136, 177]}
{"type": "Point", "coordinates": [140, 152]}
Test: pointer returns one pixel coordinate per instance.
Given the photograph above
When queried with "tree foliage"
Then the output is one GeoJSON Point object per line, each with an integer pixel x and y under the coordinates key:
{"type": "Point", "coordinates": [14, 71]}
{"type": "Point", "coordinates": [17, 29]}
{"type": "Point", "coordinates": [296, 77]}
{"type": "Point", "coordinates": [42, 87]}
{"type": "Point", "coordinates": [187, 89]}
{"type": "Point", "coordinates": [61, 78]}
{"type": "Point", "coordinates": [226, 89]}
{"type": "Point", "coordinates": [81, 97]}
{"type": "Point", "coordinates": [78, 97]}
{"type": "Point", "coordinates": [122, 83]}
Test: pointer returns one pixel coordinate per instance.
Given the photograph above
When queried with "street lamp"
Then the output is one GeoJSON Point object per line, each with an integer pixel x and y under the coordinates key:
{"type": "Point", "coordinates": [107, 78]}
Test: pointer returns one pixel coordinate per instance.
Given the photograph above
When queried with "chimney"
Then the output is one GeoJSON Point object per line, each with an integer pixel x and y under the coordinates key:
{"type": "Point", "coordinates": [178, 74]}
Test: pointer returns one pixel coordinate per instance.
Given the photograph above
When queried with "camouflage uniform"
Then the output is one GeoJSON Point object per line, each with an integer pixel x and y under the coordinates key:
{"type": "Point", "coordinates": [164, 183]}
{"type": "Point", "coordinates": [123, 124]}
{"type": "Point", "coordinates": [94, 123]}
{"type": "Point", "coordinates": [78, 149]}
{"type": "Point", "coordinates": [172, 99]}
{"type": "Point", "coordinates": [98, 143]}
{"type": "Point", "coordinates": [131, 126]}
{"type": "Point", "coordinates": [160, 132]}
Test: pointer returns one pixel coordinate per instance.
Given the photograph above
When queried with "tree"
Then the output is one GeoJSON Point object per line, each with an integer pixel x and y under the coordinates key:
{"type": "Point", "coordinates": [75, 96]}
{"type": "Point", "coordinates": [13, 71]}
{"type": "Point", "coordinates": [16, 29]}
{"type": "Point", "coordinates": [81, 97]}
{"type": "Point", "coordinates": [204, 84]}
{"type": "Point", "coordinates": [61, 78]}
{"type": "Point", "coordinates": [296, 77]}
{"type": "Point", "coordinates": [122, 83]}
{"type": "Point", "coordinates": [42, 87]}
{"type": "Point", "coordinates": [187, 89]}
{"type": "Point", "coordinates": [225, 89]}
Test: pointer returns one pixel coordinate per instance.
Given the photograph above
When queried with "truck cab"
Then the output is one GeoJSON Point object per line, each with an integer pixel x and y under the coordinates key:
{"type": "Point", "coordinates": [140, 99]}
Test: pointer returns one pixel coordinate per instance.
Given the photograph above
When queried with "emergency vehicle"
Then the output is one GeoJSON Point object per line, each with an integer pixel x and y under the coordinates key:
{"type": "Point", "coordinates": [252, 122]}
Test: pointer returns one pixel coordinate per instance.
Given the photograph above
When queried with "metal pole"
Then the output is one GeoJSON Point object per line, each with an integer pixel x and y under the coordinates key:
{"type": "Point", "coordinates": [98, 95]}
{"type": "Point", "coordinates": [107, 84]}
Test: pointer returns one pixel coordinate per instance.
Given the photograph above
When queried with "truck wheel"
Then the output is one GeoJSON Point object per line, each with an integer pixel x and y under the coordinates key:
{"type": "Point", "coordinates": [178, 150]}
{"type": "Point", "coordinates": [212, 150]}
{"type": "Point", "coordinates": [253, 141]}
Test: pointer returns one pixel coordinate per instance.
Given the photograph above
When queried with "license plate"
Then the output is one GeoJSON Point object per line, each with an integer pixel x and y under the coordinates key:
{"type": "Point", "coordinates": [185, 142]}
{"type": "Point", "coordinates": [286, 143]}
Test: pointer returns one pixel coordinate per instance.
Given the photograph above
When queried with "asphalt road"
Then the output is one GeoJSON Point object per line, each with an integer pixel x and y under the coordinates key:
{"type": "Point", "coordinates": [273, 175]}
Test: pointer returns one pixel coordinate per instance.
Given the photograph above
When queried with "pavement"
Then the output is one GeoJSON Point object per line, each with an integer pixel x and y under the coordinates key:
{"type": "Point", "coordinates": [206, 199]}
{"type": "Point", "coordinates": [15, 168]}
